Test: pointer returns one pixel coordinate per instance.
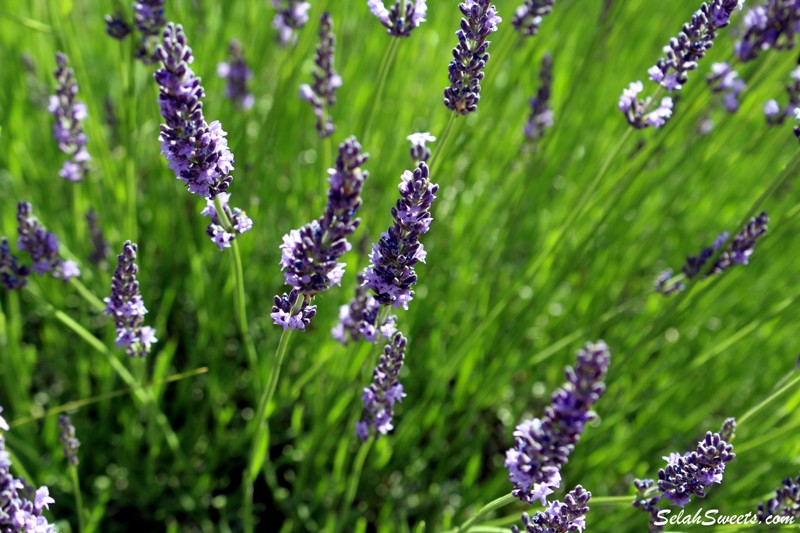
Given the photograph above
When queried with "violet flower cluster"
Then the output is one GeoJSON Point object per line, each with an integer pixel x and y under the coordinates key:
{"type": "Point", "coordinates": [196, 151]}
{"type": "Point", "coordinates": [42, 246]}
{"type": "Point", "coordinates": [290, 16]}
{"type": "Point", "coordinates": [322, 93]}
{"type": "Point", "coordinates": [772, 24]}
{"type": "Point", "coordinates": [126, 306]}
{"type": "Point", "coordinates": [402, 18]}
{"type": "Point", "coordinates": [777, 115]}
{"type": "Point", "coordinates": [21, 507]}
{"type": "Point", "coordinates": [687, 475]}
{"type": "Point", "coordinates": [384, 391]}
{"type": "Point", "coordinates": [362, 319]}
{"type": "Point", "coordinates": [235, 219]}
{"type": "Point", "coordinates": [237, 73]}
{"type": "Point", "coordinates": [541, 116]}
{"type": "Point", "coordinates": [785, 503]}
{"type": "Point", "coordinates": [682, 55]}
{"type": "Point", "coordinates": [470, 55]}
{"type": "Point", "coordinates": [116, 27]}
{"type": "Point", "coordinates": [566, 517]}
{"type": "Point", "coordinates": [529, 16]}
{"type": "Point", "coordinates": [69, 113]}
{"type": "Point", "coordinates": [310, 255]}
{"type": "Point", "coordinates": [67, 437]}
{"type": "Point", "coordinates": [13, 275]}
{"type": "Point", "coordinates": [148, 16]}
{"type": "Point", "coordinates": [100, 248]}
{"type": "Point", "coordinates": [723, 79]}
{"type": "Point", "coordinates": [543, 446]}
{"type": "Point", "coordinates": [420, 152]}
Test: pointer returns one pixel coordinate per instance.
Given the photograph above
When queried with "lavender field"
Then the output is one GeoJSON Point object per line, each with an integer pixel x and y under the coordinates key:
{"type": "Point", "coordinates": [364, 266]}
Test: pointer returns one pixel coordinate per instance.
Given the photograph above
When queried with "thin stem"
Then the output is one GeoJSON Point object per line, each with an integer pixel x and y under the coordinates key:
{"type": "Point", "coordinates": [611, 500]}
{"type": "Point", "coordinates": [443, 140]}
{"type": "Point", "coordinates": [386, 62]}
{"type": "Point", "coordinates": [87, 295]}
{"type": "Point", "coordinates": [769, 399]}
{"type": "Point", "coordinates": [352, 488]}
{"type": "Point", "coordinates": [486, 509]}
{"type": "Point", "coordinates": [76, 488]}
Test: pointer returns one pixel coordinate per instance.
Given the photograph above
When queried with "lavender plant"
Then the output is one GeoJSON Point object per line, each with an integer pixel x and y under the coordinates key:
{"type": "Point", "coordinates": [541, 117]}
{"type": "Point", "coordinates": [13, 276]}
{"type": "Point", "coordinates": [322, 93]}
{"type": "Point", "coordinates": [67, 437]}
{"type": "Point", "coordinates": [116, 27]}
{"type": "Point", "coordinates": [391, 274]}
{"type": "Point", "coordinates": [69, 113]}
{"type": "Point", "coordinates": [723, 79]}
{"type": "Point", "coordinates": [772, 24]}
{"type": "Point", "coordinates": [470, 55]}
{"type": "Point", "coordinates": [776, 114]}
{"type": "Point", "coordinates": [100, 248]}
{"type": "Point", "coordinates": [529, 16]}
{"type": "Point", "coordinates": [420, 152]}
{"type": "Point", "coordinates": [682, 56]}
{"type": "Point", "coordinates": [237, 73]}
{"type": "Point", "coordinates": [384, 391]}
{"type": "Point", "coordinates": [290, 16]}
{"type": "Point", "coordinates": [566, 517]}
{"type": "Point", "coordinates": [310, 255]}
{"type": "Point", "coordinates": [543, 446]}
{"type": "Point", "coordinates": [42, 246]}
{"type": "Point", "coordinates": [402, 18]}
{"type": "Point", "coordinates": [235, 219]}
{"type": "Point", "coordinates": [786, 502]}
{"type": "Point", "coordinates": [148, 16]}
{"type": "Point", "coordinates": [126, 307]}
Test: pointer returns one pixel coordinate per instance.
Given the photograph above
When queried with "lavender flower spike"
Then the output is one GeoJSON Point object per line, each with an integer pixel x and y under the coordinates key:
{"type": "Point", "coordinates": [237, 73]}
{"type": "Point", "coordinates": [391, 272]}
{"type": "Point", "coordinates": [42, 246]}
{"type": "Point", "coordinates": [291, 16]}
{"type": "Point", "coordinates": [738, 252]}
{"type": "Point", "coordinates": [148, 16]}
{"type": "Point", "coordinates": [786, 502]}
{"type": "Point", "coordinates": [528, 17]}
{"type": "Point", "coordinates": [379, 398]}
{"type": "Point", "coordinates": [682, 56]}
{"type": "Point", "coordinates": [310, 255]}
{"type": "Point", "coordinates": [419, 149]}
{"type": "Point", "coordinates": [361, 318]}
{"type": "Point", "coordinates": [723, 79]}
{"type": "Point", "coordinates": [543, 446]}
{"type": "Point", "coordinates": [100, 248]}
{"type": "Point", "coordinates": [67, 437]}
{"type": "Point", "coordinates": [402, 18]}
{"type": "Point", "coordinates": [566, 517]}
{"type": "Point", "coordinates": [541, 116]}
{"type": "Point", "coordinates": [322, 93]}
{"type": "Point", "coordinates": [470, 55]}
{"type": "Point", "coordinates": [235, 219]}
{"type": "Point", "coordinates": [775, 114]}
{"type": "Point", "coordinates": [770, 25]}
{"type": "Point", "coordinates": [126, 306]}
{"type": "Point", "coordinates": [196, 151]}
{"type": "Point", "coordinates": [13, 276]}
{"type": "Point", "coordinates": [68, 128]}
{"type": "Point", "coordinates": [20, 506]}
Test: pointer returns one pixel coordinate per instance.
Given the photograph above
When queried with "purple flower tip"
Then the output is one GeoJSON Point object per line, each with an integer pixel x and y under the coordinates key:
{"type": "Point", "coordinates": [384, 391]}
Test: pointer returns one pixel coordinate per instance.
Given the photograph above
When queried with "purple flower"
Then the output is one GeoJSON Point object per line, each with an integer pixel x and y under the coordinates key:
{"type": "Point", "coordinates": [770, 25]}
{"type": "Point", "coordinates": [566, 517]}
{"type": "Point", "coordinates": [528, 17]}
{"type": "Point", "coordinates": [786, 502]}
{"type": "Point", "coordinates": [116, 27]}
{"type": "Point", "coordinates": [470, 55]}
{"type": "Point", "coordinates": [67, 437]}
{"type": "Point", "coordinates": [196, 151]}
{"type": "Point", "coordinates": [236, 220]}
{"type": "Point", "coordinates": [682, 56]}
{"type": "Point", "coordinates": [541, 116]}
{"type": "Point", "coordinates": [292, 312]}
{"type": "Point", "coordinates": [310, 255]}
{"type": "Point", "coordinates": [68, 128]}
{"type": "Point", "coordinates": [391, 273]}
{"type": "Point", "coordinates": [402, 18]}
{"type": "Point", "coordinates": [419, 149]}
{"type": "Point", "coordinates": [13, 276]}
{"type": "Point", "coordinates": [126, 306]}
{"type": "Point", "coordinates": [100, 248]}
{"type": "Point", "coordinates": [148, 15]}
{"type": "Point", "coordinates": [42, 246]}
{"type": "Point", "coordinates": [20, 506]}
{"type": "Point", "coordinates": [322, 93]}
{"type": "Point", "coordinates": [290, 16]}
{"type": "Point", "coordinates": [774, 113]}
{"type": "Point", "coordinates": [738, 252]}
{"type": "Point", "coordinates": [665, 285]}
{"type": "Point", "coordinates": [723, 79]}
{"type": "Point", "coordinates": [384, 391]}
{"type": "Point", "coordinates": [543, 446]}
{"type": "Point", "coordinates": [361, 318]}
{"type": "Point", "coordinates": [237, 73]}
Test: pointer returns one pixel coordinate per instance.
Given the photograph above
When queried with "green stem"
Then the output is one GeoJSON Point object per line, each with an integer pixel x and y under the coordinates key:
{"type": "Point", "coordinates": [486, 509]}
{"type": "Point", "coordinates": [352, 488]}
{"type": "Point", "coordinates": [386, 63]}
{"type": "Point", "coordinates": [769, 399]}
{"type": "Point", "coordinates": [76, 488]}
{"type": "Point", "coordinates": [87, 295]}
{"type": "Point", "coordinates": [611, 500]}
{"type": "Point", "coordinates": [443, 140]}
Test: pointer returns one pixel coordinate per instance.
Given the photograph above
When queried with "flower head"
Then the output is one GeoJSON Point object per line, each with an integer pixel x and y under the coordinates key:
{"type": "Point", "coordinates": [148, 16]}
{"type": "Point", "coordinates": [529, 16]}
{"type": "Point", "coordinates": [67, 437]}
{"type": "Point", "coordinates": [237, 73]}
{"type": "Point", "coordinates": [69, 113]}
{"type": "Point", "coordinates": [738, 252]}
{"type": "Point", "coordinates": [290, 16]}
{"type": "Point", "coordinates": [100, 248]}
{"type": "Point", "coordinates": [322, 93]}
{"type": "Point", "coordinates": [13, 276]}
{"type": "Point", "coordinates": [541, 116]}
{"type": "Point", "coordinates": [470, 55]}
{"type": "Point", "coordinates": [402, 18]}
{"type": "Point", "coordinates": [361, 318]}
{"type": "Point", "coordinates": [235, 220]}
{"type": "Point", "coordinates": [384, 391]}
{"type": "Point", "coordinates": [543, 446]}
{"type": "Point", "coordinates": [116, 27]}
{"type": "Point", "coordinates": [419, 149]}
{"type": "Point", "coordinates": [785, 503]}
{"type": "Point", "coordinates": [566, 517]}
{"type": "Point", "coordinates": [126, 306]}
{"type": "Point", "coordinates": [723, 79]}
{"type": "Point", "coordinates": [196, 151]}
{"type": "Point", "coordinates": [772, 24]}
{"type": "Point", "coordinates": [42, 246]}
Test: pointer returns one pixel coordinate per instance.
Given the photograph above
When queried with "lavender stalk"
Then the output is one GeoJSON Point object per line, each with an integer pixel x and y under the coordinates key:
{"type": "Point", "coordinates": [322, 93]}
{"type": "Point", "coordinates": [42, 246]}
{"type": "Point", "coordinates": [560, 517]}
{"type": "Point", "coordinates": [68, 128]}
{"type": "Point", "coordinates": [384, 391]}
{"type": "Point", "coordinates": [529, 16]}
{"type": "Point", "coordinates": [148, 16]}
{"type": "Point", "coordinates": [290, 16]}
{"type": "Point", "coordinates": [236, 71]}
{"type": "Point", "coordinates": [541, 117]}
{"type": "Point", "coordinates": [402, 18]}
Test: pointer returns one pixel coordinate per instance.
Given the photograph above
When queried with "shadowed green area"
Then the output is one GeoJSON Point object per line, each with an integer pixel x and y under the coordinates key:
{"type": "Point", "coordinates": [529, 256]}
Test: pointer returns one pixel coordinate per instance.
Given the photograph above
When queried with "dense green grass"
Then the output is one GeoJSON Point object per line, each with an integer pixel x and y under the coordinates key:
{"type": "Point", "coordinates": [529, 257]}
